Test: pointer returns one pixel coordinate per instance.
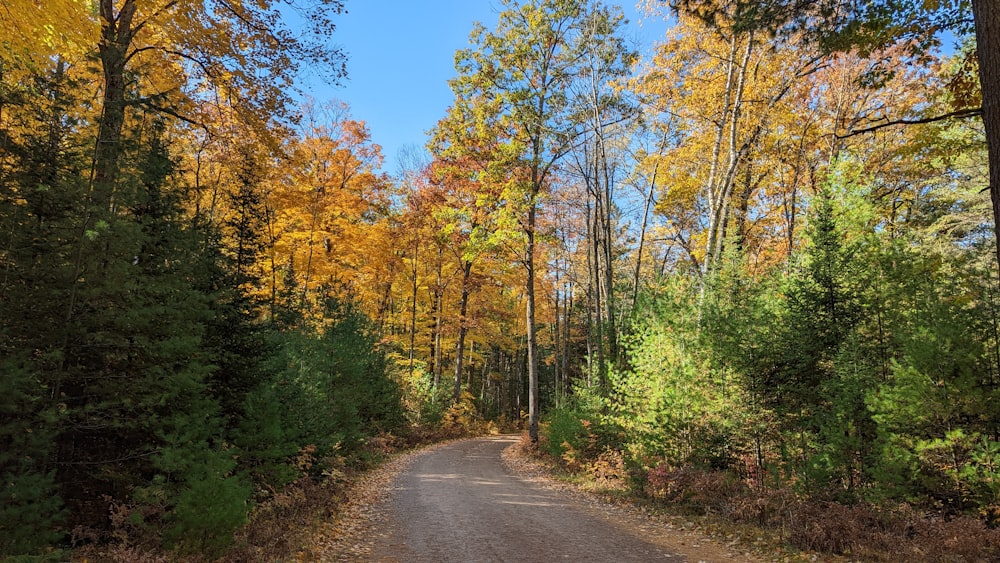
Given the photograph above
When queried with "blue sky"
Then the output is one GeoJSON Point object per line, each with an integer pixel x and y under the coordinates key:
{"type": "Point", "coordinates": [401, 54]}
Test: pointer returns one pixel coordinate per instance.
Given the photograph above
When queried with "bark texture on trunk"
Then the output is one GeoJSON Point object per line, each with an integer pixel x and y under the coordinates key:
{"type": "Point", "coordinates": [987, 16]}
{"type": "Point", "coordinates": [117, 32]}
{"type": "Point", "coordinates": [463, 329]}
{"type": "Point", "coordinates": [530, 318]}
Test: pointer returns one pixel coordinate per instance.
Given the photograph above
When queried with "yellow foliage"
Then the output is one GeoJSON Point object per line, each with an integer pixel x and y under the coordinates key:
{"type": "Point", "coordinates": [40, 30]}
{"type": "Point", "coordinates": [330, 208]}
{"type": "Point", "coordinates": [748, 125]}
{"type": "Point", "coordinates": [570, 456]}
{"type": "Point", "coordinates": [462, 418]}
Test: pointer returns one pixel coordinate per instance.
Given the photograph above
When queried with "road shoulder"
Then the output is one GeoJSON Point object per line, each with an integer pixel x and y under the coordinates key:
{"type": "Point", "coordinates": [670, 532]}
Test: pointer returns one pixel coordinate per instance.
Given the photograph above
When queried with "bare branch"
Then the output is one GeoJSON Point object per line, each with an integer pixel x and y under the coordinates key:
{"type": "Point", "coordinates": [174, 114]}
{"type": "Point", "coordinates": [960, 114]}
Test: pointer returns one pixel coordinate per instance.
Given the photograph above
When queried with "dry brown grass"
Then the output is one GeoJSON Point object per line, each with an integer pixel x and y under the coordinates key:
{"type": "Point", "coordinates": [889, 534]}
{"type": "Point", "coordinates": [277, 527]}
{"type": "Point", "coordinates": [861, 531]}
{"type": "Point", "coordinates": [823, 529]}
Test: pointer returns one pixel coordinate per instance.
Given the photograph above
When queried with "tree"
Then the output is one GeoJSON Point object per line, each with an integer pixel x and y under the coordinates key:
{"type": "Point", "coordinates": [470, 173]}
{"type": "Point", "coordinates": [604, 114]}
{"type": "Point", "coordinates": [243, 50]}
{"type": "Point", "coordinates": [521, 77]}
{"type": "Point", "coordinates": [842, 25]}
{"type": "Point", "coordinates": [329, 206]}
{"type": "Point", "coordinates": [521, 73]}
{"type": "Point", "coordinates": [718, 92]}
{"type": "Point", "coordinates": [41, 164]}
{"type": "Point", "coordinates": [987, 19]}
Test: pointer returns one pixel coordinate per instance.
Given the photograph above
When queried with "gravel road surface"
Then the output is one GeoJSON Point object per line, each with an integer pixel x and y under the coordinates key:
{"type": "Point", "coordinates": [458, 503]}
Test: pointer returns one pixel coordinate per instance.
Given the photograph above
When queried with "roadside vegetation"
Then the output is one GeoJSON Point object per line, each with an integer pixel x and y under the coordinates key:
{"type": "Point", "coordinates": [749, 271]}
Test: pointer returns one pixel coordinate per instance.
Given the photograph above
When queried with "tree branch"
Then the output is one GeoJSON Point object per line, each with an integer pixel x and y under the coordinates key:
{"type": "Point", "coordinates": [960, 114]}
{"type": "Point", "coordinates": [148, 103]}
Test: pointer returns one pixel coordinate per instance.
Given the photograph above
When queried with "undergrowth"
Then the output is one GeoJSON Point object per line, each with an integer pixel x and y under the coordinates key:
{"type": "Point", "coordinates": [282, 522]}
{"type": "Point", "coordinates": [772, 519]}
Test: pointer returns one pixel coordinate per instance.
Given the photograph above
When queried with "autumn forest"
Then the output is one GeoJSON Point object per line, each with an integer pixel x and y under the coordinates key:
{"type": "Point", "coordinates": [765, 252]}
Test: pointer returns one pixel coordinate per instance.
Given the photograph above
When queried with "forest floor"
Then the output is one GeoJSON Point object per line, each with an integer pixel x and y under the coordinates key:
{"type": "Point", "coordinates": [487, 499]}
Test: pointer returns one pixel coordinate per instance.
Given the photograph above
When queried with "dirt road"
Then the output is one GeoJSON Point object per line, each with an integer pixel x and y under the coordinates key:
{"type": "Point", "coordinates": [458, 503]}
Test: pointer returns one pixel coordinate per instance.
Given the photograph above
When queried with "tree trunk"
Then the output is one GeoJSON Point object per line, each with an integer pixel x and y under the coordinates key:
{"type": "Point", "coordinates": [596, 286]}
{"type": "Point", "coordinates": [712, 190]}
{"type": "Point", "coordinates": [530, 319]}
{"type": "Point", "coordinates": [273, 297]}
{"type": "Point", "coordinates": [987, 16]}
{"type": "Point", "coordinates": [720, 215]}
{"type": "Point", "coordinates": [567, 306]}
{"type": "Point", "coordinates": [116, 38]}
{"type": "Point", "coordinates": [413, 308]}
{"type": "Point", "coordinates": [462, 329]}
{"type": "Point", "coordinates": [607, 248]}
{"type": "Point", "coordinates": [647, 205]}
{"type": "Point", "coordinates": [472, 367]}
{"type": "Point", "coordinates": [438, 322]}
{"type": "Point", "coordinates": [557, 336]}
{"type": "Point", "coordinates": [743, 208]}
{"type": "Point", "coordinates": [318, 193]}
